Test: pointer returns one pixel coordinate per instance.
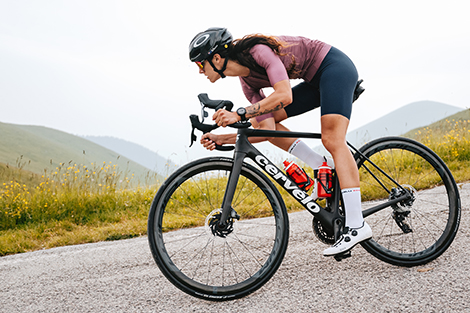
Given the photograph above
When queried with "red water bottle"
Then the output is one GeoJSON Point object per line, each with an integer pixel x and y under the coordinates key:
{"type": "Point", "coordinates": [325, 183]}
{"type": "Point", "coordinates": [298, 175]}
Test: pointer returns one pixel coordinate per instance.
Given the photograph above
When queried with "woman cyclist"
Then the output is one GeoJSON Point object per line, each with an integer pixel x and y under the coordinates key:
{"type": "Point", "coordinates": [330, 79]}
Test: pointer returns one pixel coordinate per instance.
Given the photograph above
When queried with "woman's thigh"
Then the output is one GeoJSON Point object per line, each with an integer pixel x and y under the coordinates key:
{"type": "Point", "coordinates": [305, 97]}
{"type": "Point", "coordinates": [332, 88]}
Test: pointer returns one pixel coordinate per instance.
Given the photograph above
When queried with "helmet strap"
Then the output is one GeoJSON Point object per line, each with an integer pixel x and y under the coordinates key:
{"type": "Point", "coordinates": [221, 71]}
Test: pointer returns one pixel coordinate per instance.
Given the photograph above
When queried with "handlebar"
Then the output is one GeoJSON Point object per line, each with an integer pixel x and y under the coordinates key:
{"type": "Point", "coordinates": [214, 104]}
{"type": "Point", "coordinates": [206, 128]}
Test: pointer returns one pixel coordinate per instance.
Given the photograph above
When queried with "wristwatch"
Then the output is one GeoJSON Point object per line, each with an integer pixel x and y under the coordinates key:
{"type": "Point", "coordinates": [241, 112]}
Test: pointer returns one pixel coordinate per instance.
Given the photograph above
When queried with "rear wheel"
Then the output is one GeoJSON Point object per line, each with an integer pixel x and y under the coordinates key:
{"type": "Point", "coordinates": [418, 230]}
{"type": "Point", "coordinates": [201, 258]}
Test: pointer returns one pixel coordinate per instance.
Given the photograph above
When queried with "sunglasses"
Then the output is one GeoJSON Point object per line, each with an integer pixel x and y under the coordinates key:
{"type": "Point", "coordinates": [200, 64]}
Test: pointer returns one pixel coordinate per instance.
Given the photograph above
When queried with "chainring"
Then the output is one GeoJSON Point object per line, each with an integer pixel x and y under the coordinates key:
{"type": "Point", "coordinates": [321, 233]}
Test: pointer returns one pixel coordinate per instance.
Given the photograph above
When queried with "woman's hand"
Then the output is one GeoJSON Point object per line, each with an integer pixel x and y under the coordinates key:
{"type": "Point", "coordinates": [223, 117]}
{"type": "Point", "coordinates": [209, 141]}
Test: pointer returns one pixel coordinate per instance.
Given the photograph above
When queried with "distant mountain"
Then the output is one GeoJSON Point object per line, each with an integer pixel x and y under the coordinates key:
{"type": "Point", "coordinates": [39, 148]}
{"type": "Point", "coordinates": [136, 153]}
{"type": "Point", "coordinates": [402, 120]}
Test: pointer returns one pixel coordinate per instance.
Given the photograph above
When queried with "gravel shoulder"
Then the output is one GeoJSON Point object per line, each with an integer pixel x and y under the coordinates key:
{"type": "Point", "coordinates": [122, 276]}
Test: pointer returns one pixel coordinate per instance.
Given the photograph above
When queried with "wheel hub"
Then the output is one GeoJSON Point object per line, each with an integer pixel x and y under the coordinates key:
{"type": "Point", "coordinates": [215, 228]}
{"type": "Point", "coordinates": [404, 205]}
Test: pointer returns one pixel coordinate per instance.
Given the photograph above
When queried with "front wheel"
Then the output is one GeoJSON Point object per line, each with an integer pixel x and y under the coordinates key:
{"type": "Point", "coordinates": [202, 259]}
{"type": "Point", "coordinates": [421, 228]}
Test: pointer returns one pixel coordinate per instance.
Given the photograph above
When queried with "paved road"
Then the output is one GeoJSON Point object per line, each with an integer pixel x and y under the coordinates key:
{"type": "Point", "coordinates": [121, 276]}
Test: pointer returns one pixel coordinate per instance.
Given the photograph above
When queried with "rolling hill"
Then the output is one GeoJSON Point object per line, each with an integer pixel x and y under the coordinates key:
{"type": "Point", "coordinates": [36, 148]}
{"type": "Point", "coordinates": [443, 126]}
{"type": "Point", "coordinates": [402, 120]}
{"type": "Point", "coordinates": [399, 122]}
{"type": "Point", "coordinates": [136, 153]}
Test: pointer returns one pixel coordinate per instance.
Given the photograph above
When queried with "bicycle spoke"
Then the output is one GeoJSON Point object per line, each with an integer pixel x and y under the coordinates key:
{"type": "Point", "coordinates": [189, 207]}
{"type": "Point", "coordinates": [240, 188]}
{"type": "Point", "coordinates": [210, 263]}
{"type": "Point", "coordinates": [248, 244]}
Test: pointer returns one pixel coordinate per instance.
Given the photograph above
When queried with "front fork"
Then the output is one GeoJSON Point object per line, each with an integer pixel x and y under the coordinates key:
{"type": "Point", "coordinates": [230, 190]}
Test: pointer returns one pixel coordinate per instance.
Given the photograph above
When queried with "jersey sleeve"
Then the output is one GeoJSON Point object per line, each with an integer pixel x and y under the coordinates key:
{"type": "Point", "coordinates": [270, 61]}
{"type": "Point", "coordinates": [252, 95]}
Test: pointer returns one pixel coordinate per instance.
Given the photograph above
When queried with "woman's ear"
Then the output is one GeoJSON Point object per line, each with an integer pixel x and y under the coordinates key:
{"type": "Point", "coordinates": [217, 59]}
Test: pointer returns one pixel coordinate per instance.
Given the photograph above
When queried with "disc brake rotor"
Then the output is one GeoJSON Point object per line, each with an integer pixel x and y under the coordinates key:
{"type": "Point", "coordinates": [212, 226]}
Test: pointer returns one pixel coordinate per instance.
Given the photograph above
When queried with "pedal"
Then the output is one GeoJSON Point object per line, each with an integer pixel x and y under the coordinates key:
{"type": "Point", "coordinates": [342, 256]}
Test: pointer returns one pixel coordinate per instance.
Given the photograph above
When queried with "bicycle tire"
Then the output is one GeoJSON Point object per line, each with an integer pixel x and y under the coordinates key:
{"type": "Point", "coordinates": [205, 265]}
{"type": "Point", "coordinates": [417, 232]}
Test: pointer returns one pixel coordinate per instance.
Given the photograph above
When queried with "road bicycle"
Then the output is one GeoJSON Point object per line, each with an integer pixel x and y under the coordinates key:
{"type": "Point", "coordinates": [218, 227]}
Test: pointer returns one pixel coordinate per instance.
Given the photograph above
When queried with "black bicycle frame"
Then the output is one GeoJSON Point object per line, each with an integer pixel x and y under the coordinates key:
{"type": "Point", "coordinates": [331, 219]}
{"type": "Point", "coordinates": [243, 149]}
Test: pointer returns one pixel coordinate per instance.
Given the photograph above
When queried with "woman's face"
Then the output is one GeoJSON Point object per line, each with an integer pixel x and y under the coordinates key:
{"type": "Point", "coordinates": [207, 69]}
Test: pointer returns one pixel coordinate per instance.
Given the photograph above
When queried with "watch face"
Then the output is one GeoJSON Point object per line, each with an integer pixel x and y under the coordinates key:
{"type": "Point", "coordinates": [241, 111]}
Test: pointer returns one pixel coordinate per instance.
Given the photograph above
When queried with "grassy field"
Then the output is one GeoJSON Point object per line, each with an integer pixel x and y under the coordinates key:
{"type": "Point", "coordinates": [450, 139]}
{"type": "Point", "coordinates": [74, 204]}
{"type": "Point", "coordinates": [70, 205]}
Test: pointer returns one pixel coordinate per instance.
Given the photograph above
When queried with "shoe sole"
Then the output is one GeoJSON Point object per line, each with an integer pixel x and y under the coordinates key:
{"type": "Point", "coordinates": [347, 250]}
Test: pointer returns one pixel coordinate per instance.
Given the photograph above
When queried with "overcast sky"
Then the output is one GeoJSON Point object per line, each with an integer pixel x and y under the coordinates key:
{"type": "Point", "coordinates": [121, 68]}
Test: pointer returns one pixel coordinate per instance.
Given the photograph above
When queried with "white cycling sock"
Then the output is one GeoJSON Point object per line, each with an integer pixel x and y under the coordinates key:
{"type": "Point", "coordinates": [306, 154]}
{"type": "Point", "coordinates": [352, 204]}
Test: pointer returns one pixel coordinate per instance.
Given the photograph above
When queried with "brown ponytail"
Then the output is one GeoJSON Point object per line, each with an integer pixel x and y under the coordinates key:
{"type": "Point", "coordinates": [239, 51]}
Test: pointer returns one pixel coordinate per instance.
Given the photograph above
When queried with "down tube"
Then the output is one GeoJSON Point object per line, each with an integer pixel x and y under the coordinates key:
{"type": "Point", "coordinates": [272, 170]}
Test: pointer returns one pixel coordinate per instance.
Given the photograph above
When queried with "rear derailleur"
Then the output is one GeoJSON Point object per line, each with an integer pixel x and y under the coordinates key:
{"type": "Point", "coordinates": [402, 209]}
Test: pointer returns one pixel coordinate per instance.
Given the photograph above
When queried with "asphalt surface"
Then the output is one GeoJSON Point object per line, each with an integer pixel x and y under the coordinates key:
{"type": "Point", "coordinates": [122, 276]}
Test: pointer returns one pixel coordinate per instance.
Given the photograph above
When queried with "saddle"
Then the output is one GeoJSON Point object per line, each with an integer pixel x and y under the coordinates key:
{"type": "Point", "coordinates": [359, 90]}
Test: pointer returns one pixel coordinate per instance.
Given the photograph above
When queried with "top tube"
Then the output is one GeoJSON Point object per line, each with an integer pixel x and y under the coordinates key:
{"type": "Point", "coordinates": [277, 133]}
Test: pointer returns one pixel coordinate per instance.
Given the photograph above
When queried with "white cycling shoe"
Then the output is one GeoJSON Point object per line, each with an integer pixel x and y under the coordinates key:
{"type": "Point", "coordinates": [349, 239]}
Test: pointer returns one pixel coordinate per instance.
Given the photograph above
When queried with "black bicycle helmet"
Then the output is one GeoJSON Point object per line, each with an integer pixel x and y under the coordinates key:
{"type": "Point", "coordinates": [206, 43]}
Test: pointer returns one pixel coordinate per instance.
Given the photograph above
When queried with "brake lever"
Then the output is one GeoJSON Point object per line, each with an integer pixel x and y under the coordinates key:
{"type": "Point", "coordinates": [193, 137]}
{"type": "Point", "coordinates": [204, 128]}
{"type": "Point", "coordinates": [196, 124]}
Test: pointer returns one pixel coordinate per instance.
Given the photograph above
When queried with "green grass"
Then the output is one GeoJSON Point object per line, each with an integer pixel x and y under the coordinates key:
{"type": "Point", "coordinates": [70, 205]}
{"type": "Point", "coordinates": [10, 173]}
{"type": "Point", "coordinates": [450, 139]}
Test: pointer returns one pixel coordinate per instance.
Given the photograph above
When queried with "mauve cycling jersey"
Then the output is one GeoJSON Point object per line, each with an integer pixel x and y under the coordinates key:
{"type": "Point", "coordinates": [308, 55]}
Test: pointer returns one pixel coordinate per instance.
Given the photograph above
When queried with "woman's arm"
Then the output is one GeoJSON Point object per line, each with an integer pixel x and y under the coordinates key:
{"type": "Point", "coordinates": [279, 79]}
{"type": "Point", "coordinates": [209, 140]}
{"type": "Point", "coordinates": [279, 99]}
